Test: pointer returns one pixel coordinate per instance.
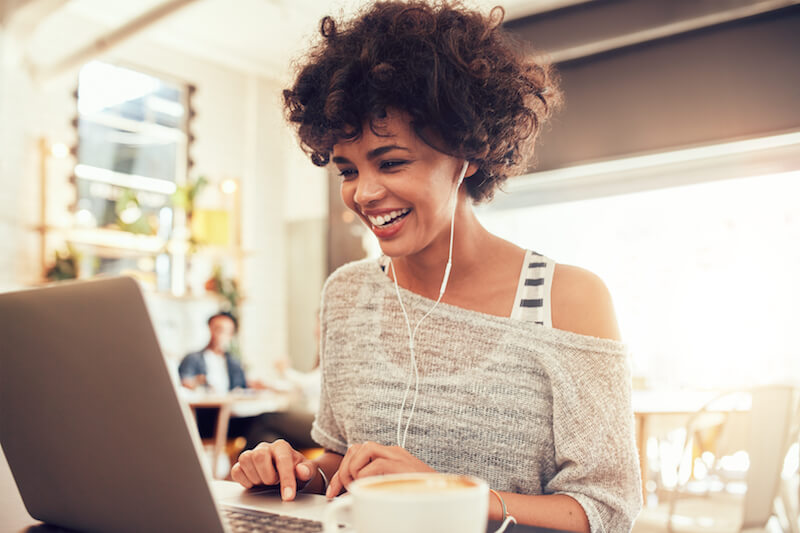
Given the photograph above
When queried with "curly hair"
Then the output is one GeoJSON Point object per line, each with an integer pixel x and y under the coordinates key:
{"type": "Point", "coordinates": [454, 71]}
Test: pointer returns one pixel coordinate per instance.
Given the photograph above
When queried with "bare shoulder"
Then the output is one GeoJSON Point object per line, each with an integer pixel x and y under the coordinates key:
{"type": "Point", "coordinates": [581, 303]}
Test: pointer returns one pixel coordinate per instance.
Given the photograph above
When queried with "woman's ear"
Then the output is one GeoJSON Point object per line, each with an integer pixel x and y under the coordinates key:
{"type": "Point", "coordinates": [471, 169]}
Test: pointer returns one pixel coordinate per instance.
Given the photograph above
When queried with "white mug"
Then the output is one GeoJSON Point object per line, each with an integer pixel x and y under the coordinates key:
{"type": "Point", "coordinates": [418, 502]}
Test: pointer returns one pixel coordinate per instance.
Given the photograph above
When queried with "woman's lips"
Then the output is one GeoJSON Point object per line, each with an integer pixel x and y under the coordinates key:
{"type": "Point", "coordinates": [390, 230]}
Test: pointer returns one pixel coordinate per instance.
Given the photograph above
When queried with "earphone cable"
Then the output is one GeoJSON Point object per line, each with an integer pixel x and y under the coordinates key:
{"type": "Point", "coordinates": [412, 334]}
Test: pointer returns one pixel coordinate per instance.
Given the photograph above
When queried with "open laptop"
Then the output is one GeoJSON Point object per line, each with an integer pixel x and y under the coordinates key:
{"type": "Point", "coordinates": [92, 427]}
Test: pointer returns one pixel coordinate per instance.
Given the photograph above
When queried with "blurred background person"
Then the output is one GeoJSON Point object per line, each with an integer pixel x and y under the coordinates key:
{"type": "Point", "coordinates": [215, 371]}
{"type": "Point", "coordinates": [214, 368]}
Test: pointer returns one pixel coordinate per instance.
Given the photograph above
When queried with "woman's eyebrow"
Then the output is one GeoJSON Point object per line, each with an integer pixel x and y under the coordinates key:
{"type": "Point", "coordinates": [377, 152]}
{"type": "Point", "coordinates": [372, 154]}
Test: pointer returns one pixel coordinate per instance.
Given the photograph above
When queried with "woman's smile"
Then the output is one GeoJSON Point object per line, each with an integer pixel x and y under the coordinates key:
{"type": "Point", "coordinates": [388, 225]}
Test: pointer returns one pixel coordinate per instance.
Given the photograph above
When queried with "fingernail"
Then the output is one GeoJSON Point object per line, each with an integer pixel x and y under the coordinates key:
{"type": "Point", "coordinates": [328, 493]}
{"type": "Point", "coordinates": [288, 492]}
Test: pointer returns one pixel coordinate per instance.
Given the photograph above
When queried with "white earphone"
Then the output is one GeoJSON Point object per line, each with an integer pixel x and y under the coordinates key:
{"type": "Point", "coordinates": [412, 334]}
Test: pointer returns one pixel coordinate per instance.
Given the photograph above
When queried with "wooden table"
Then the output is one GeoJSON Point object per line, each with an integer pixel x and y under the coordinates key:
{"type": "Point", "coordinates": [249, 403]}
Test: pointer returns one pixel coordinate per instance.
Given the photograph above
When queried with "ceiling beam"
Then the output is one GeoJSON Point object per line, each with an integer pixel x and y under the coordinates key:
{"type": "Point", "coordinates": [107, 41]}
{"type": "Point", "coordinates": [21, 17]}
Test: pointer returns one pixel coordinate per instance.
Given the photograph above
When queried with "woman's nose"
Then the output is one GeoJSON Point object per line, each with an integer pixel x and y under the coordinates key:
{"type": "Point", "coordinates": [369, 189]}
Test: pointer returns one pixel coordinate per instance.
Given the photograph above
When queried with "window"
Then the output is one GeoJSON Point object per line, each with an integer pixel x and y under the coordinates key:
{"type": "Point", "coordinates": [704, 276]}
{"type": "Point", "coordinates": [132, 156]}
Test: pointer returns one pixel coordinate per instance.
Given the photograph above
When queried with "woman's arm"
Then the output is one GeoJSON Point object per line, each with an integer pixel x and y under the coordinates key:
{"type": "Point", "coordinates": [582, 304]}
{"type": "Point", "coordinates": [592, 416]}
{"type": "Point", "coordinates": [554, 511]}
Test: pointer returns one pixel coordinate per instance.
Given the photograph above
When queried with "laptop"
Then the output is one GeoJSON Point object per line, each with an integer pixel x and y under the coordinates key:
{"type": "Point", "coordinates": [92, 427]}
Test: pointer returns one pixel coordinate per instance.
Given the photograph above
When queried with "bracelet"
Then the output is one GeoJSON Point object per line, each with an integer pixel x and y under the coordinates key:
{"type": "Point", "coordinates": [507, 519]}
{"type": "Point", "coordinates": [502, 503]}
{"type": "Point", "coordinates": [324, 480]}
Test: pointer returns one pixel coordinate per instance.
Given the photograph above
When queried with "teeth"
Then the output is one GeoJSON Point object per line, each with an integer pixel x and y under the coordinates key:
{"type": "Point", "coordinates": [382, 220]}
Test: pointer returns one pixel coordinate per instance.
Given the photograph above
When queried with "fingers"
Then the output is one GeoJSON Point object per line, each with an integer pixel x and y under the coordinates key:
{"type": "Point", "coordinates": [334, 486]}
{"type": "Point", "coordinates": [379, 467]}
{"type": "Point", "coordinates": [270, 464]}
{"type": "Point", "coordinates": [264, 465]}
{"type": "Point", "coordinates": [246, 466]}
{"type": "Point", "coordinates": [343, 478]}
{"type": "Point", "coordinates": [364, 455]}
{"type": "Point", "coordinates": [305, 470]}
{"type": "Point", "coordinates": [284, 462]}
{"type": "Point", "coordinates": [238, 475]}
{"type": "Point", "coordinates": [356, 458]}
{"type": "Point", "coordinates": [370, 459]}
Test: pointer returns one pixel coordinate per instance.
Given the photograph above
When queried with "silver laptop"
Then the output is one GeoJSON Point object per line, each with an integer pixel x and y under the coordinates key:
{"type": "Point", "coordinates": [92, 427]}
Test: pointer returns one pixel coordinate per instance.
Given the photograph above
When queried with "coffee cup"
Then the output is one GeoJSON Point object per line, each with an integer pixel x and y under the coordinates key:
{"type": "Point", "coordinates": [418, 502]}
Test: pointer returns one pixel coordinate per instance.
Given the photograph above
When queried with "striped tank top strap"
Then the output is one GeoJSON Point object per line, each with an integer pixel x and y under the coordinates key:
{"type": "Point", "coordinates": [532, 301]}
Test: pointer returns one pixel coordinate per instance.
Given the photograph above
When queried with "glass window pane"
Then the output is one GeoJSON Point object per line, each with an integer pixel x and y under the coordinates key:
{"type": "Point", "coordinates": [127, 152]}
{"type": "Point", "coordinates": [108, 206]}
{"type": "Point", "coordinates": [117, 91]}
{"type": "Point", "coordinates": [704, 277]}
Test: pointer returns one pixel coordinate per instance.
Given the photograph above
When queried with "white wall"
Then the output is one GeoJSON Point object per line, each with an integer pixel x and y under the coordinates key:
{"type": "Point", "coordinates": [240, 133]}
{"type": "Point", "coordinates": [306, 211]}
{"type": "Point", "coordinates": [18, 176]}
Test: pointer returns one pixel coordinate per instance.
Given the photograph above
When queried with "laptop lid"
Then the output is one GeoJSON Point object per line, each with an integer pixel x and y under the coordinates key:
{"type": "Point", "coordinates": [90, 421]}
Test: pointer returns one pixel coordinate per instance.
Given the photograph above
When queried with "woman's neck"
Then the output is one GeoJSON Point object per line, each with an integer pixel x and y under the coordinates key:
{"type": "Point", "coordinates": [423, 272]}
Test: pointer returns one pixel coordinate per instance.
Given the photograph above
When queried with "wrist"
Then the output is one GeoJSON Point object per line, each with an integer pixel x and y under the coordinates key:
{"type": "Point", "coordinates": [324, 478]}
{"type": "Point", "coordinates": [317, 483]}
{"type": "Point", "coordinates": [505, 517]}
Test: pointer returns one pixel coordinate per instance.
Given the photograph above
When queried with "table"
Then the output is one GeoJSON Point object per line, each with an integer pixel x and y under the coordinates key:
{"type": "Point", "coordinates": [670, 409]}
{"type": "Point", "coordinates": [14, 518]}
{"type": "Point", "coordinates": [243, 403]}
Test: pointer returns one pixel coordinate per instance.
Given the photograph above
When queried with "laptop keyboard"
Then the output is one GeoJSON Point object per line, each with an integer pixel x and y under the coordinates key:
{"type": "Point", "coordinates": [246, 520]}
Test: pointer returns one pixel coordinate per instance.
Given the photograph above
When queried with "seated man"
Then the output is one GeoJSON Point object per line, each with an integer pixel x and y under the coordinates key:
{"type": "Point", "coordinates": [215, 370]}
{"type": "Point", "coordinates": [213, 367]}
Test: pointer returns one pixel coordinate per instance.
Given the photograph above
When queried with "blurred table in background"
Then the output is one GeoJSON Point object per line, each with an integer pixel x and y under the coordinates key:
{"type": "Point", "coordinates": [658, 411]}
{"type": "Point", "coordinates": [244, 403]}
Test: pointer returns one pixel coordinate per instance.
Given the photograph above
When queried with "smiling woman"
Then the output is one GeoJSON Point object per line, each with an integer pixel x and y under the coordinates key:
{"type": "Point", "coordinates": [458, 351]}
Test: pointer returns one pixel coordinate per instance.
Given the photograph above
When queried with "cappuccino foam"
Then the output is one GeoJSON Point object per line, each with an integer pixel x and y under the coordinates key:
{"type": "Point", "coordinates": [424, 484]}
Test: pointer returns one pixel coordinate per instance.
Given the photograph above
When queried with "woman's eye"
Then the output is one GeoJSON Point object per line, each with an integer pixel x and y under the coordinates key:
{"type": "Point", "coordinates": [347, 173]}
{"type": "Point", "coordinates": [392, 164]}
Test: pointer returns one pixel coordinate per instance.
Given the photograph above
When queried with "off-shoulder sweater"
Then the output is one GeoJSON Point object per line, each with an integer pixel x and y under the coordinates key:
{"type": "Point", "coordinates": [530, 409]}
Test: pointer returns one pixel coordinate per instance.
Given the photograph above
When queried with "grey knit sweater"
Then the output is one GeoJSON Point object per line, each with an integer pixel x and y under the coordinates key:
{"type": "Point", "coordinates": [532, 410]}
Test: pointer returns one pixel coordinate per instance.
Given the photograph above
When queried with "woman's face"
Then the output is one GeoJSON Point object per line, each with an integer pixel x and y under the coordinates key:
{"type": "Point", "coordinates": [398, 185]}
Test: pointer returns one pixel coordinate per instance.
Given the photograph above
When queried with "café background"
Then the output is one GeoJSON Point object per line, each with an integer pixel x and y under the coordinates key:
{"type": "Point", "coordinates": [699, 248]}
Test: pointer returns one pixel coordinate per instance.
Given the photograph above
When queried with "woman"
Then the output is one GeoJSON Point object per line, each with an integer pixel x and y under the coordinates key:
{"type": "Point", "coordinates": [458, 351]}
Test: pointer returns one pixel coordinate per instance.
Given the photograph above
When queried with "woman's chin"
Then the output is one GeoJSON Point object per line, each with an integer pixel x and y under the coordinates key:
{"type": "Point", "coordinates": [392, 252]}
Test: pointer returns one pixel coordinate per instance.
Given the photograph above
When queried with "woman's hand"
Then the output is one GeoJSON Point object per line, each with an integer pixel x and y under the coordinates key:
{"type": "Point", "coordinates": [372, 459]}
{"type": "Point", "coordinates": [273, 463]}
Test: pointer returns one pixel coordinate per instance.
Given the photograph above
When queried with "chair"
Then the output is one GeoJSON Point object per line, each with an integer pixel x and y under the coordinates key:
{"type": "Point", "coordinates": [766, 434]}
